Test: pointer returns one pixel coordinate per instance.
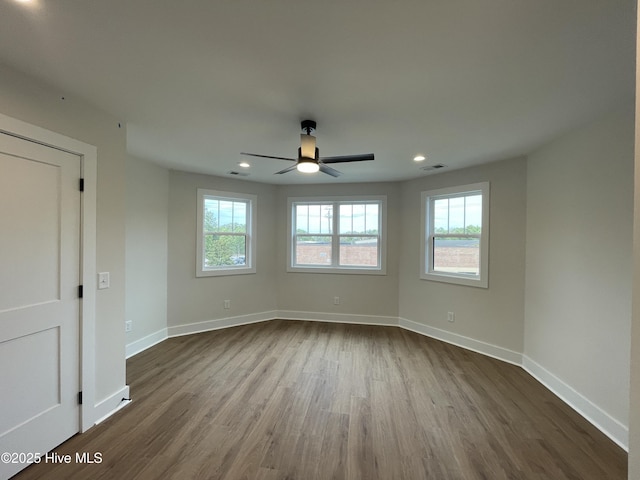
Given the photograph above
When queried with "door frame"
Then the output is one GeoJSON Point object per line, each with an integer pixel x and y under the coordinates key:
{"type": "Point", "coordinates": [88, 276]}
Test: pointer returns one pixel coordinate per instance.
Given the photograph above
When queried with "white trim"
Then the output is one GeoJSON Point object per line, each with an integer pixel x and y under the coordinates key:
{"type": "Point", "coordinates": [89, 167]}
{"type": "Point", "coordinates": [488, 349]}
{"type": "Point", "coordinates": [229, 322]}
{"type": "Point", "coordinates": [604, 422]}
{"type": "Point", "coordinates": [381, 200]}
{"type": "Point", "coordinates": [110, 405]}
{"type": "Point", "coordinates": [216, 324]}
{"type": "Point", "coordinates": [251, 227]}
{"type": "Point", "coordinates": [426, 272]}
{"type": "Point", "coordinates": [338, 318]}
{"type": "Point", "coordinates": [89, 281]}
{"type": "Point", "coordinates": [143, 343]}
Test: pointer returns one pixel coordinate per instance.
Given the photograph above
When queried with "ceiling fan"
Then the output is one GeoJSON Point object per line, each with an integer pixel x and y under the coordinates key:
{"type": "Point", "coordinates": [309, 160]}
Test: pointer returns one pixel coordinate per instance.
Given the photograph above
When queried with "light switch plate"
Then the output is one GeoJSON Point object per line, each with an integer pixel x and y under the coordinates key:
{"type": "Point", "coordinates": [103, 280]}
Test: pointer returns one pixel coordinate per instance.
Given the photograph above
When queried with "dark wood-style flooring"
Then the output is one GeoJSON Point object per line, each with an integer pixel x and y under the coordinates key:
{"type": "Point", "coordinates": [307, 400]}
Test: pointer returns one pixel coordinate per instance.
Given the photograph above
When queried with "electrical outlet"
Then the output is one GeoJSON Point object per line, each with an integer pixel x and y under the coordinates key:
{"type": "Point", "coordinates": [336, 300]}
{"type": "Point", "coordinates": [451, 317]}
{"type": "Point", "coordinates": [227, 304]}
{"type": "Point", "coordinates": [128, 325]}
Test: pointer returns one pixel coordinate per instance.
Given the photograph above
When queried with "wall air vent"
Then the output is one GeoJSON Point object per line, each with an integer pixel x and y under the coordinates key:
{"type": "Point", "coordinates": [429, 168]}
{"type": "Point", "coordinates": [239, 174]}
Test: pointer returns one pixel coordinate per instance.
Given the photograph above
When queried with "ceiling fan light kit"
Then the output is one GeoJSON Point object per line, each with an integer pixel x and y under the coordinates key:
{"type": "Point", "coordinates": [307, 165]}
{"type": "Point", "coordinates": [309, 160]}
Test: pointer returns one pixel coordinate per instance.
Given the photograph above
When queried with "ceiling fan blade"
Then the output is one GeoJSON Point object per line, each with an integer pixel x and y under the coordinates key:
{"type": "Point", "coordinates": [348, 158]}
{"type": "Point", "coordinates": [288, 169]}
{"type": "Point", "coordinates": [268, 156]}
{"type": "Point", "coordinates": [328, 170]}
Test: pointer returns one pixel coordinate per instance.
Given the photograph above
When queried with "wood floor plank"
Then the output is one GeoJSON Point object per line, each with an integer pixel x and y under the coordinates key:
{"type": "Point", "coordinates": [305, 400]}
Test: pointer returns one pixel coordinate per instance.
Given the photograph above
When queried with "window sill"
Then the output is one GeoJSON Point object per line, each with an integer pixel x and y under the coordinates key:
{"type": "Point", "coordinates": [225, 272]}
{"type": "Point", "coordinates": [456, 279]}
{"type": "Point", "coordinates": [339, 271]}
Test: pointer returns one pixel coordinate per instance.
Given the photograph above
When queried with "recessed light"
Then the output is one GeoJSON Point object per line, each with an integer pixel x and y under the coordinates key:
{"type": "Point", "coordinates": [244, 164]}
{"type": "Point", "coordinates": [419, 158]}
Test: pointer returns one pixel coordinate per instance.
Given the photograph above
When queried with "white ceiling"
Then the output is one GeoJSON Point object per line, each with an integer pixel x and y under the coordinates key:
{"type": "Point", "coordinates": [461, 81]}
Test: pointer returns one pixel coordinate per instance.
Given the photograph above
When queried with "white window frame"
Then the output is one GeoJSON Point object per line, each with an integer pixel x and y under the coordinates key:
{"type": "Point", "coordinates": [381, 269]}
{"type": "Point", "coordinates": [426, 241]}
{"type": "Point", "coordinates": [250, 260]}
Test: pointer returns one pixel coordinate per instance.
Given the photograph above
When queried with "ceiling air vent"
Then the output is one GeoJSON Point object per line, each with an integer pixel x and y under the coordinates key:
{"type": "Point", "coordinates": [429, 168]}
{"type": "Point", "coordinates": [239, 174]}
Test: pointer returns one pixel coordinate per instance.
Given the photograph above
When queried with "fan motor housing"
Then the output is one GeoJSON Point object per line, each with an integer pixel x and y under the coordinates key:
{"type": "Point", "coordinates": [308, 125]}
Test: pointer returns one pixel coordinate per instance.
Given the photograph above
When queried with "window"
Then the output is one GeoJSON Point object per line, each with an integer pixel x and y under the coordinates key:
{"type": "Point", "coordinates": [226, 233]}
{"type": "Point", "coordinates": [337, 235]}
{"type": "Point", "coordinates": [455, 235]}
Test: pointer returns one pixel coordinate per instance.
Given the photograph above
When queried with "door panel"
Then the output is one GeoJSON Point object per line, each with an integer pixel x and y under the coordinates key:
{"type": "Point", "coordinates": [39, 305]}
{"type": "Point", "coordinates": [34, 397]}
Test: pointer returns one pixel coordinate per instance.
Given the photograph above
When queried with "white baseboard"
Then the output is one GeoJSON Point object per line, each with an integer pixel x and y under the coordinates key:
{"type": "Point", "coordinates": [604, 422]}
{"type": "Point", "coordinates": [337, 318]}
{"type": "Point", "coordinates": [478, 346]}
{"type": "Point", "coordinates": [219, 323]}
{"type": "Point", "coordinates": [228, 322]}
{"type": "Point", "coordinates": [142, 344]}
{"type": "Point", "coordinates": [110, 405]}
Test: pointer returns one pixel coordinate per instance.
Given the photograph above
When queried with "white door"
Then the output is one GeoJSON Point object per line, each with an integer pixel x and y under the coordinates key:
{"type": "Point", "coordinates": [39, 300]}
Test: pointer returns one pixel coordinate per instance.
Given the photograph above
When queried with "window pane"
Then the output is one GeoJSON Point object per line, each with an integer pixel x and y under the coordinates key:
{"type": "Point", "coordinates": [473, 222]}
{"type": "Point", "coordinates": [314, 218]}
{"type": "Point", "coordinates": [359, 218]}
{"type": "Point", "coordinates": [224, 250]}
{"type": "Point", "coordinates": [346, 219]}
{"type": "Point", "coordinates": [210, 215]}
{"type": "Point", "coordinates": [239, 217]}
{"type": "Point", "coordinates": [372, 220]}
{"type": "Point", "coordinates": [453, 255]}
{"type": "Point", "coordinates": [312, 250]}
{"type": "Point", "coordinates": [302, 218]}
{"type": "Point", "coordinates": [441, 215]}
{"type": "Point", "coordinates": [359, 251]}
{"type": "Point", "coordinates": [456, 215]}
{"type": "Point", "coordinates": [226, 216]}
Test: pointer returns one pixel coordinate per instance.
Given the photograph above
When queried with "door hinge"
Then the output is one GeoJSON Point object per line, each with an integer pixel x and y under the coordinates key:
{"type": "Point", "coordinates": [80, 291]}
{"type": "Point", "coordinates": [82, 184]}
{"type": "Point", "coordinates": [79, 398]}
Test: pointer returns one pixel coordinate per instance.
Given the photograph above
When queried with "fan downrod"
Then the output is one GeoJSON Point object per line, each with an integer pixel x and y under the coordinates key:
{"type": "Point", "coordinates": [308, 126]}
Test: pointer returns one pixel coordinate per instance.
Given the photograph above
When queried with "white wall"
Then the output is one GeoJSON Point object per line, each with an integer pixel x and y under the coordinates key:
{"type": "Point", "coordinates": [147, 225]}
{"type": "Point", "coordinates": [368, 295]}
{"type": "Point", "coordinates": [196, 300]}
{"type": "Point", "coordinates": [493, 315]}
{"type": "Point", "coordinates": [35, 102]}
{"type": "Point", "coordinates": [579, 261]}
